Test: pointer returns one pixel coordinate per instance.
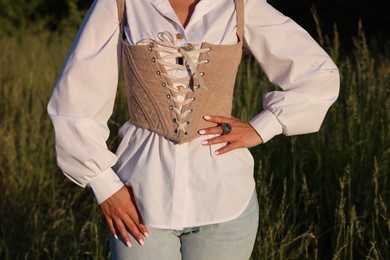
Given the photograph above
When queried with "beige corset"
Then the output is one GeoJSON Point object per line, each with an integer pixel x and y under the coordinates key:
{"type": "Point", "coordinates": [152, 97]}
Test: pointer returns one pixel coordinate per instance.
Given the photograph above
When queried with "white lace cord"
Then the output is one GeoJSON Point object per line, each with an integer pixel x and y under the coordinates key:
{"type": "Point", "coordinates": [167, 44]}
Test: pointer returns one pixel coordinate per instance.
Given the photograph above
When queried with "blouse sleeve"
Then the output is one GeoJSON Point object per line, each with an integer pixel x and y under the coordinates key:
{"type": "Point", "coordinates": [292, 60]}
{"type": "Point", "coordinates": [83, 100]}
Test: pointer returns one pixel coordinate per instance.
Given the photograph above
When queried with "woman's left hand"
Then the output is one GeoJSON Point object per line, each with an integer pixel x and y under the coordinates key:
{"type": "Point", "coordinates": [242, 134]}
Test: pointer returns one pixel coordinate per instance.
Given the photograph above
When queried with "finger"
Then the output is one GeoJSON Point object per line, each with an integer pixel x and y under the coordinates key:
{"type": "Point", "coordinates": [211, 130]}
{"type": "Point", "coordinates": [122, 230]}
{"type": "Point", "coordinates": [227, 148]}
{"type": "Point", "coordinates": [142, 228]}
{"type": "Point", "coordinates": [217, 119]}
{"type": "Point", "coordinates": [216, 140]}
{"type": "Point", "coordinates": [130, 223]}
{"type": "Point", "coordinates": [111, 226]}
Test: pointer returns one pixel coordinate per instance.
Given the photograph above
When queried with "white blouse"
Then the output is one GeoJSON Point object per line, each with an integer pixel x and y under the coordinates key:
{"type": "Point", "coordinates": [178, 186]}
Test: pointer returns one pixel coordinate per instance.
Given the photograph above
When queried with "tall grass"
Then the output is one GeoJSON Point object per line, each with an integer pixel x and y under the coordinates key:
{"type": "Point", "coordinates": [322, 196]}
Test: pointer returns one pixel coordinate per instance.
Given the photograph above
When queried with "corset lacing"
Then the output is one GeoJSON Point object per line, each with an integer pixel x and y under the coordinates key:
{"type": "Point", "coordinates": [167, 46]}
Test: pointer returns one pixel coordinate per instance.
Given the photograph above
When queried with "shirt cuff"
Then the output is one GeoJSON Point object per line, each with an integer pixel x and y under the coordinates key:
{"type": "Point", "coordinates": [266, 125]}
{"type": "Point", "coordinates": [105, 184]}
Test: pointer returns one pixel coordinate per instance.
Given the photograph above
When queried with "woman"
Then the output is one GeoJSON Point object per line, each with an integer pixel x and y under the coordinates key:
{"type": "Point", "coordinates": [182, 176]}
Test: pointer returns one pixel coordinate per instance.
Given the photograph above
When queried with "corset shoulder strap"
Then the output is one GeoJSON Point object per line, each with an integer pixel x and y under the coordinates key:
{"type": "Point", "coordinates": [240, 17]}
{"type": "Point", "coordinates": [121, 11]}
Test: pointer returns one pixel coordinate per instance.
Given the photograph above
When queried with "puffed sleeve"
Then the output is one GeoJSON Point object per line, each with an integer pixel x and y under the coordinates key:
{"type": "Point", "coordinates": [83, 100]}
{"type": "Point", "coordinates": [291, 59]}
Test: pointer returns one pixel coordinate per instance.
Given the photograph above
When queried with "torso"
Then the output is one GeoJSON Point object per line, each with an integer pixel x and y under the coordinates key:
{"type": "Point", "coordinates": [178, 186]}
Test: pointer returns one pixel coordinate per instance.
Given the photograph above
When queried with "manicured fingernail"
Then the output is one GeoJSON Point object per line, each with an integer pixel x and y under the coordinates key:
{"type": "Point", "coordinates": [216, 152]}
{"type": "Point", "coordinates": [116, 237]}
{"type": "Point", "coordinates": [202, 132]}
{"type": "Point", "coordinates": [204, 142]}
{"type": "Point", "coordinates": [146, 234]}
{"type": "Point", "coordinates": [141, 242]}
{"type": "Point", "coordinates": [207, 117]}
{"type": "Point", "coordinates": [128, 244]}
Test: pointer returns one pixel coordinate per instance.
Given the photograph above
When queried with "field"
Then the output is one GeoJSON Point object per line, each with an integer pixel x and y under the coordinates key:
{"type": "Point", "coordinates": [322, 196]}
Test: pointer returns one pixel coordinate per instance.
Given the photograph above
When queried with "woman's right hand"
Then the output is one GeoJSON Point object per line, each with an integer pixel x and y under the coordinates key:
{"type": "Point", "coordinates": [121, 214]}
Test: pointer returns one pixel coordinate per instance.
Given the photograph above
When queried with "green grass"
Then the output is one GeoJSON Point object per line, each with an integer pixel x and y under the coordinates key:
{"type": "Point", "coordinates": [321, 196]}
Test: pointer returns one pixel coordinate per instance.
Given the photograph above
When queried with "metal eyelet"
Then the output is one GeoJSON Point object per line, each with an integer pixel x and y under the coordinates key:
{"type": "Point", "coordinates": [168, 96]}
{"type": "Point", "coordinates": [175, 131]}
{"type": "Point", "coordinates": [164, 84]}
{"type": "Point", "coordinates": [188, 122]}
{"type": "Point", "coordinates": [158, 72]}
{"type": "Point", "coordinates": [185, 133]}
{"type": "Point", "coordinates": [201, 73]}
{"type": "Point", "coordinates": [208, 49]}
{"type": "Point", "coordinates": [193, 98]}
{"type": "Point", "coordinates": [174, 120]}
{"type": "Point", "coordinates": [150, 48]}
{"type": "Point", "coordinates": [207, 61]}
{"type": "Point", "coordinates": [170, 107]}
{"type": "Point", "coordinates": [190, 110]}
{"type": "Point", "coordinates": [153, 59]}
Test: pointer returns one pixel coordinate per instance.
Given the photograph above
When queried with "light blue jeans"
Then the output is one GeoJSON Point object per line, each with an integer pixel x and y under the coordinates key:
{"type": "Point", "coordinates": [232, 240]}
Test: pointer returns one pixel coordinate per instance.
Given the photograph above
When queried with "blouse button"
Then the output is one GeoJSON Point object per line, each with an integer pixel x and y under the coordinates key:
{"type": "Point", "coordinates": [179, 36]}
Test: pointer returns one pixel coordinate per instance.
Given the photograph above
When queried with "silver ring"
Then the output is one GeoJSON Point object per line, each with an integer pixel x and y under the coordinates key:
{"type": "Point", "coordinates": [226, 128]}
